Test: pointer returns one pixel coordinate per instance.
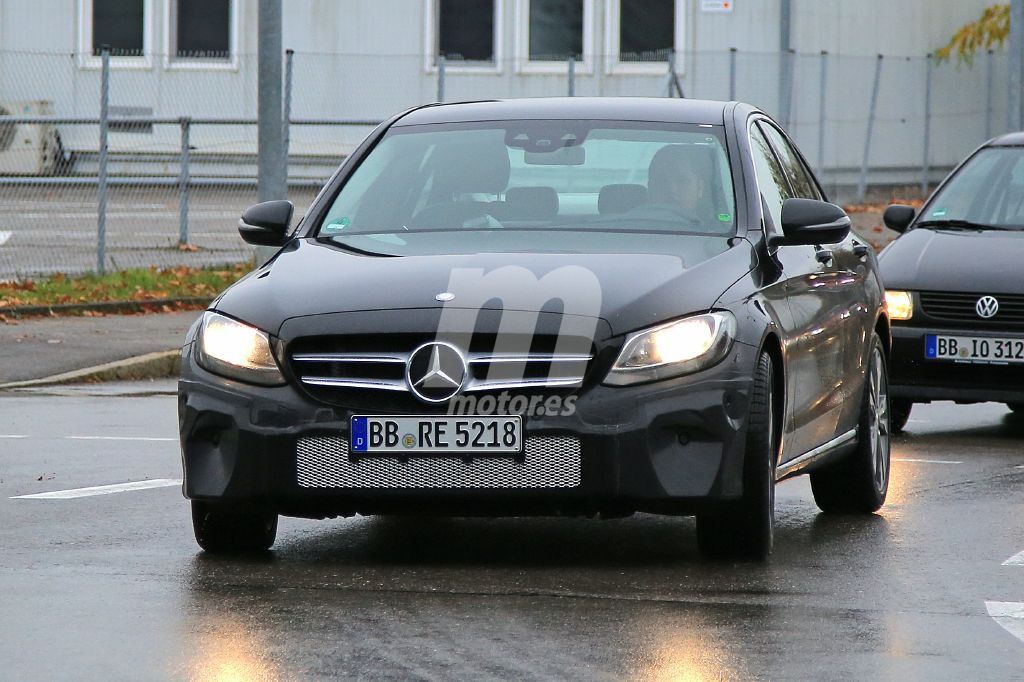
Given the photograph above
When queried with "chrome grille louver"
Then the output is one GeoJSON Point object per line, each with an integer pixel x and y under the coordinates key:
{"type": "Point", "coordinates": [488, 371]}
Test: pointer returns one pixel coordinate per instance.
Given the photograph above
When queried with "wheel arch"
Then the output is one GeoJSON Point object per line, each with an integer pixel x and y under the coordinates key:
{"type": "Point", "coordinates": [772, 345]}
{"type": "Point", "coordinates": [884, 331]}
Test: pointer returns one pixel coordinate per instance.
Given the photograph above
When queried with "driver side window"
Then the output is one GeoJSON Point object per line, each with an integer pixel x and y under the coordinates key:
{"type": "Point", "coordinates": [771, 178]}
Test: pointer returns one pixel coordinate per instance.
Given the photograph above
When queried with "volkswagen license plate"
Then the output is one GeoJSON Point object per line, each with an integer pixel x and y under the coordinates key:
{"type": "Point", "coordinates": [979, 349]}
{"type": "Point", "coordinates": [402, 435]}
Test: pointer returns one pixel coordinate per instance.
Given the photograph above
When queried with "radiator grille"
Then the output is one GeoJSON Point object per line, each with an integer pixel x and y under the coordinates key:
{"type": "Point", "coordinates": [549, 462]}
{"type": "Point", "coordinates": [960, 307]}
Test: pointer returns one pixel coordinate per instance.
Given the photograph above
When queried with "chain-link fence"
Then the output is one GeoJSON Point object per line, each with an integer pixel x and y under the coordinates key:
{"type": "Point", "coordinates": [179, 164]}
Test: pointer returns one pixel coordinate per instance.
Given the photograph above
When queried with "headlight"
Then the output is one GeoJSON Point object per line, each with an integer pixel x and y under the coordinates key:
{"type": "Point", "coordinates": [225, 346]}
{"type": "Point", "coordinates": [899, 305]}
{"type": "Point", "coordinates": [679, 347]}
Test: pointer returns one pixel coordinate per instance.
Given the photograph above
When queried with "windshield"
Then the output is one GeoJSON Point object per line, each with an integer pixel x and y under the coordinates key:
{"type": "Point", "coordinates": [988, 191]}
{"type": "Point", "coordinates": [551, 185]}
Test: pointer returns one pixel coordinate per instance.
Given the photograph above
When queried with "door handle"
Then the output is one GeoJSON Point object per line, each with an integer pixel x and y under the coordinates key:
{"type": "Point", "coordinates": [860, 250]}
{"type": "Point", "coordinates": [823, 255]}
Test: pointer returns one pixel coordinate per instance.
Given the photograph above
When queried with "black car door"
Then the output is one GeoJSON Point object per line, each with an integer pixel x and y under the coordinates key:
{"type": "Point", "coordinates": [829, 312]}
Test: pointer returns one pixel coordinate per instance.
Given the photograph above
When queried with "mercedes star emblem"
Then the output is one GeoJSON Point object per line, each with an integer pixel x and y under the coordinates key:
{"type": "Point", "coordinates": [445, 296]}
{"type": "Point", "coordinates": [436, 372]}
{"type": "Point", "coordinates": [987, 306]}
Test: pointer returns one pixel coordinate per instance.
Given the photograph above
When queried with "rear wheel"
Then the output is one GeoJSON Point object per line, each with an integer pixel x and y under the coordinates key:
{"type": "Point", "coordinates": [859, 482]}
{"type": "Point", "coordinates": [899, 413]}
{"type": "Point", "coordinates": [227, 529]}
{"type": "Point", "coordinates": [745, 529]}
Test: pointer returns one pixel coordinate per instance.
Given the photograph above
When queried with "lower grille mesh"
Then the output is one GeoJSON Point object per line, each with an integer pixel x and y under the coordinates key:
{"type": "Point", "coordinates": [550, 462]}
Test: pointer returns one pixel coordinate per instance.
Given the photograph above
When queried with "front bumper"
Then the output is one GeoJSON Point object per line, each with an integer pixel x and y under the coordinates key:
{"type": "Point", "coordinates": [916, 378]}
{"type": "Point", "coordinates": [672, 446]}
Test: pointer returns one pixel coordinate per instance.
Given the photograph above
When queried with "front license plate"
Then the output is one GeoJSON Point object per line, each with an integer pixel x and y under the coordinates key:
{"type": "Point", "coordinates": [438, 435]}
{"type": "Point", "coordinates": [979, 349]}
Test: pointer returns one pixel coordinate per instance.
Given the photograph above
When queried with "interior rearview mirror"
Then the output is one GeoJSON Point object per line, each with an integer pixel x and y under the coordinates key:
{"type": "Point", "coordinates": [809, 221]}
{"type": "Point", "coordinates": [898, 217]}
{"type": "Point", "coordinates": [266, 224]}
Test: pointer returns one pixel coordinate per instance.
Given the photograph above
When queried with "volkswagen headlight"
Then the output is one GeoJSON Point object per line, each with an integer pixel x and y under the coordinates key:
{"type": "Point", "coordinates": [233, 349]}
{"type": "Point", "coordinates": [668, 350]}
{"type": "Point", "coordinates": [899, 305]}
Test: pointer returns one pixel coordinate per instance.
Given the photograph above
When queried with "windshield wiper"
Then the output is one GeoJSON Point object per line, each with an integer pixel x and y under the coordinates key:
{"type": "Point", "coordinates": [958, 224]}
{"type": "Point", "coordinates": [355, 249]}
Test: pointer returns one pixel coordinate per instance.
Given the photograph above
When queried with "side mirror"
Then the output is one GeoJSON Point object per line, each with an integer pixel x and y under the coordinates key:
{"type": "Point", "coordinates": [898, 217]}
{"type": "Point", "coordinates": [266, 224]}
{"type": "Point", "coordinates": [809, 221]}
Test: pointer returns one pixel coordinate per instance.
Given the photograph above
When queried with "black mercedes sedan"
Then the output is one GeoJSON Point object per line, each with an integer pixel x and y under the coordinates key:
{"type": "Point", "coordinates": [552, 307]}
{"type": "Point", "coordinates": [955, 288]}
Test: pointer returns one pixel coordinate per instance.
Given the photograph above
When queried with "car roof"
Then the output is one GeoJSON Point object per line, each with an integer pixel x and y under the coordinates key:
{"type": "Point", "coordinates": [1007, 140]}
{"type": "Point", "coordinates": [659, 109]}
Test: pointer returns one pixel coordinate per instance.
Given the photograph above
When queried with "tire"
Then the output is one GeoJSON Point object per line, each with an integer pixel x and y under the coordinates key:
{"type": "Point", "coordinates": [745, 529]}
{"type": "Point", "coordinates": [858, 483]}
{"type": "Point", "coordinates": [899, 413]}
{"type": "Point", "coordinates": [226, 529]}
{"type": "Point", "coordinates": [1018, 408]}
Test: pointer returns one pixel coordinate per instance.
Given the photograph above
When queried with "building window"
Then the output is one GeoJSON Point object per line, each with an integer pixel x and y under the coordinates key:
{"type": "Point", "coordinates": [549, 32]}
{"type": "Point", "coordinates": [201, 29]}
{"type": "Point", "coordinates": [120, 25]}
{"type": "Point", "coordinates": [125, 26]}
{"type": "Point", "coordinates": [465, 30]}
{"type": "Point", "coordinates": [467, 33]}
{"type": "Point", "coordinates": [641, 33]}
{"type": "Point", "coordinates": [646, 29]}
{"type": "Point", "coordinates": [556, 29]}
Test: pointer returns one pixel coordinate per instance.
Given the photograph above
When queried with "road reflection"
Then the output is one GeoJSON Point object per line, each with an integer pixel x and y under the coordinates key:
{"type": "Point", "coordinates": [224, 649]}
{"type": "Point", "coordinates": [517, 598]}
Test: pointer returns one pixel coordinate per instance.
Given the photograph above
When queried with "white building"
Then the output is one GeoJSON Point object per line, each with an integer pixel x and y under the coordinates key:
{"type": "Point", "coordinates": [365, 59]}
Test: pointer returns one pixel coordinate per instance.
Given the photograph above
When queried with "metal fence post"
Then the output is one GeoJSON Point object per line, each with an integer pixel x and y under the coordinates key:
{"type": "Point", "coordinates": [822, 109]}
{"type": "Point", "coordinates": [988, 97]}
{"type": "Point", "coordinates": [927, 123]}
{"type": "Point", "coordinates": [673, 77]}
{"type": "Point", "coordinates": [732, 74]}
{"type": "Point", "coordinates": [183, 182]}
{"type": "Point", "coordinates": [440, 77]}
{"type": "Point", "coordinates": [101, 181]}
{"type": "Point", "coordinates": [286, 117]}
{"type": "Point", "coordinates": [572, 76]}
{"type": "Point", "coordinates": [862, 184]}
{"type": "Point", "coordinates": [786, 87]}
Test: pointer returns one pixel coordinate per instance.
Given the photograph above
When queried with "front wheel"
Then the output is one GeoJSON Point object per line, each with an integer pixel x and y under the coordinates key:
{"type": "Point", "coordinates": [745, 529]}
{"type": "Point", "coordinates": [222, 528]}
{"type": "Point", "coordinates": [859, 482]}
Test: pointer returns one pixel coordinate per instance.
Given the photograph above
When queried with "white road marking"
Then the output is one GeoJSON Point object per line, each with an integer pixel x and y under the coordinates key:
{"type": "Point", "coordinates": [4, 236]}
{"type": "Point", "coordinates": [1015, 560]}
{"type": "Point", "coordinates": [8, 435]}
{"type": "Point", "coordinates": [143, 438]}
{"type": "Point", "coordinates": [101, 490]}
{"type": "Point", "coordinates": [925, 461]}
{"type": "Point", "coordinates": [1009, 615]}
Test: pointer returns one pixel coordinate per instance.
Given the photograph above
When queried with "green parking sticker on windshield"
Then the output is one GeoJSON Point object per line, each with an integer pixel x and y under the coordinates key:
{"type": "Point", "coordinates": [725, 217]}
{"type": "Point", "coordinates": [337, 225]}
{"type": "Point", "coordinates": [939, 212]}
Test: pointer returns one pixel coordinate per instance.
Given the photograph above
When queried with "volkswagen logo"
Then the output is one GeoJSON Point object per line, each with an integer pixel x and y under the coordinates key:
{"type": "Point", "coordinates": [987, 306]}
{"type": "Point", "coordinates": [436, 372]}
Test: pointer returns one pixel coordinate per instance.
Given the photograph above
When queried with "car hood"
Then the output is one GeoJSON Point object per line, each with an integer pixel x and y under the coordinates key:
{"type": "Point", "coordinates": [954, 260]}
{"type": "Point", "coordinates": [628, 291]}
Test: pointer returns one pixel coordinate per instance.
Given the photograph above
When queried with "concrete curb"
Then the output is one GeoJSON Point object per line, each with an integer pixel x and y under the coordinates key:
{"type": "Point", "coordinates": [160, 365]}
{"type": "Point", "coordinates": [110, 307]}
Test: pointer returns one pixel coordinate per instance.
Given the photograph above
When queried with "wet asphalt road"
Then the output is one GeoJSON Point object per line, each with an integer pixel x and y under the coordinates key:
{"type": "Point", "coordinates": [113, 586]}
